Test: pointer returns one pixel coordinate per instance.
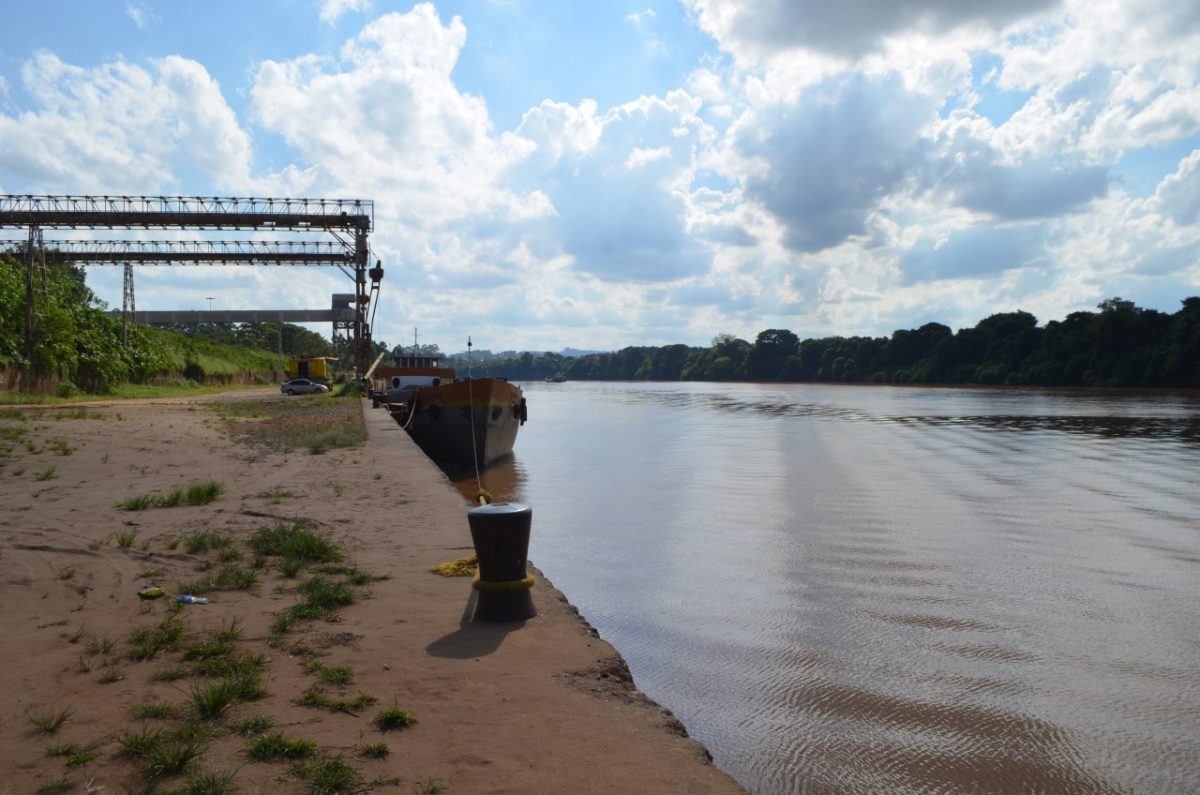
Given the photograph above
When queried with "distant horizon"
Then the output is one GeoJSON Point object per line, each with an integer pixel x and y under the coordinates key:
{"type": "Point", "coordinates": [612, 172]}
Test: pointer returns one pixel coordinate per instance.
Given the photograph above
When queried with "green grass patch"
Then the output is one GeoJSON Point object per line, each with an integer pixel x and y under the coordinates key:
{"type": "Point", "coordinates": [331, 674]}
{"type": "Point", "coordinates": [293, 540]}
{"type": "Point", "coordinates": [317, 424]}
{"type": "Point", "coordinates": [141, 743]}
{"type": "Point", "coordinates": [352, 574]}
{"type": "Point", "coordinates": [125, 538]}
{"type": "Point", "coordinates": [328, 776]}
{"type": "Point", "coordinates": [211, 700]}
{"type": "Point", "coordinates": [172, 758]}
{"type": "Point", "coordinates": [48, 722]}
{"type": "Point", "coordinates": [203, 493]}
{"type": "Point", "coordinates": [139, 502]}
{"type": "Point", "coordinates": [325, 595]}
{"type": "Point", "coordinates": [192, 494]}
{"type": "Point", "coordinates": [208, 782]}
{"type": "Point", "coordinates": [49, 473]}
{"type": "Point", "coordinates": [393, 719]}
{"type": "Point", "coordinates": [373, 751]}
{"type": "Point", "coordinates": [60, 446]}
{"type": "Point", "coordinates": [236, 663]}
{"type": "Point", "coordinates": [278, 746]}
{"type": "Point", "coordinates": [173, 674]}
{"type": "Point", "coordinates": [147, 642]}
{"type": "Point", "coordinates": [253, 725]}
{"type": "Point", "coordinates": [154, 710]}
{"type": "Point", "coordinates": [227, 578]}
{"type": "Point", "coordinates": [113, 674]}
{"type": "Point", "coordinates": [199, 541]}
{"type": "Point", "coordinates": [315, 697]}
{"type": "Point", "coordinates": [99, 646]}
{"type": "Point", "coordinates": [62, 749]}
{"type": "Point", "coordinates": [276, 496]}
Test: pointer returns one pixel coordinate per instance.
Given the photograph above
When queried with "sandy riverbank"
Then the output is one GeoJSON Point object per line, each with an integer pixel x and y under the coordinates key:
{"type": "Point", "coordinates": [537, 707]}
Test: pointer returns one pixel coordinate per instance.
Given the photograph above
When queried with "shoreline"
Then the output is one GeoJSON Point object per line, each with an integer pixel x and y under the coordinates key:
{"type": "Point", "coordinates": [543, 706]}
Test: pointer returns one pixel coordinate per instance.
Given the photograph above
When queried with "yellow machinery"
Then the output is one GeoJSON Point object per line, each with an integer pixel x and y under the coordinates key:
{"type": "Point", "coordinates": [315, 368]}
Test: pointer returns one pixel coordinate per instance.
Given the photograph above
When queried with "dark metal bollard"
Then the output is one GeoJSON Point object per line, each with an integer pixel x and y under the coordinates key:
{"type": "Point", "coordinates": [501, 536]}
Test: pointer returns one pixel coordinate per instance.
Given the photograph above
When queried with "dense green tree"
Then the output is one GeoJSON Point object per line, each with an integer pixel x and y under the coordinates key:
{"type": "Point", "coordinates": [771, 349]}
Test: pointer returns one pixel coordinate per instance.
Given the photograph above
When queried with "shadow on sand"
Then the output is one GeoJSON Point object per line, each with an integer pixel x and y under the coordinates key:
{"type": "Point", "coordinates": [472, 638]}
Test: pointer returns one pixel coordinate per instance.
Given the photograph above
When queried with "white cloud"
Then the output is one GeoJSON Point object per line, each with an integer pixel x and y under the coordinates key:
{"type": "Point", "coordinates": [332, 10]}
{"type": "Point", "coordinates": [385, 119]}
{"type": "Point", "coordinates": [622, 209]}
{"type": "Point", "coordinates": [1178, 195]}
{"type": "Point", "coordinates": [832, 169]}
{"type": "Point", "coordinates": [141, 16]}
{"type": "Point", "coordinates": [823, 164]}
{"type": "Point", "coordinates": [638, 17]}
{"type": "Point", "coordinates": [120, 127]}
{"type": "Point", "coordinates": [757, 30]}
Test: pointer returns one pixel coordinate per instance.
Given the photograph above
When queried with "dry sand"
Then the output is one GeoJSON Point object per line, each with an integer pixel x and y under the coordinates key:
{"type": "Point", "coordinates": [540, 706]}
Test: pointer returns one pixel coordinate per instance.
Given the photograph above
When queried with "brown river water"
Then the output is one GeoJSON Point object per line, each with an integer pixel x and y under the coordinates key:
{"type": "Point", "coordinates": [856, 589]}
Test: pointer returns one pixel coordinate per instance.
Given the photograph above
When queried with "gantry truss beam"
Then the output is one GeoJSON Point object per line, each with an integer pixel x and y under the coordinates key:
{"type": "Point", "coordinates": [192, 317]}
{"type": "Point", "coordinates": [341, 218]}
{"type": "Point", "coordinates": [194, 252]}
{"type": "Point", "coordinates": [125, 212]}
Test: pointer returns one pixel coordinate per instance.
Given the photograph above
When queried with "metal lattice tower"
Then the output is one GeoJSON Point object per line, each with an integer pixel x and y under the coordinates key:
{"type": "Point", "coordinates": [36, 290]}
{"type": "Point", "coordinates": [127, 306]}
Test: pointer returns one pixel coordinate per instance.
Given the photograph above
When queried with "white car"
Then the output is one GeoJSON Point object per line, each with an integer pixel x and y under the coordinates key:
{"type": "Point", "coordinates": [302, 386]}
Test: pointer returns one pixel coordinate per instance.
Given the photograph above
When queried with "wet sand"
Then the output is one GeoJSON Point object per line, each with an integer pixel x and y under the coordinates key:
{"type": "Point", "coordinates": [540, 706]}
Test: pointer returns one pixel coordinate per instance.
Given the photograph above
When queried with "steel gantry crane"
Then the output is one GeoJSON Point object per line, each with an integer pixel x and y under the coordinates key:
{"type": "Point", "coordinates": [348, 221]}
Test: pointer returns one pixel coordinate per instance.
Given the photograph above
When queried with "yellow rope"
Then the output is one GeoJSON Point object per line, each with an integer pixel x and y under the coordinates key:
{"type": "Point", "coordinates": [463, 567]}
{"type": "Point", "coordinates": [509, 586]}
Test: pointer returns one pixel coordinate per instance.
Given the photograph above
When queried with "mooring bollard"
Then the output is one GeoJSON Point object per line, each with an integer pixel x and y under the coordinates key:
{"type": "Point", "coordinates": [501, 536]}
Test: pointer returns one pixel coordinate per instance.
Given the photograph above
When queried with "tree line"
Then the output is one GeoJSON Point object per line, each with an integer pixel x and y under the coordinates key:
{"type": "Point", "coordinates": [1120, 345]}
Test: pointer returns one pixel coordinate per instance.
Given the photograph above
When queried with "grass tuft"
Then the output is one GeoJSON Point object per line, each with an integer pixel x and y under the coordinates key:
{"type": "Point", "coordinates": [203, 493]}
{"type": "Point", "coordinates": [199, 541]}
{"type": "Point", "coordinates": [373, 751]}
{"type": "Point", "coordinates": [278, 746]}
{"type": "Point", "coordinates": [328, 776]}
{"type": "Point", "coordinates": [331, 674]}
{"type": "Point", "coordinates": [139, 503]}
{"type": "Point", "coordinates": [48, 722]}
{"type": "Point", "coordinates": [315, 697]}
{"type": "Point", "coordinates": [252, 725]}
{"type": "Point", "coordinates": [154, 710]}
{"type": "Point", "coordinates": [393, 719]}
{"type": "Point", "coordinates": [149, 641]}
{"type": "Point", "coordinates": [207, 783]}
{"type": "Point", "coordinates": [294, 541]}
{"type": "Point", "coordinates": [194, 494]}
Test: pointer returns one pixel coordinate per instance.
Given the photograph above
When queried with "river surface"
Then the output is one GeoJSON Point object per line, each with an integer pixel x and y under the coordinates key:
{"type": "Point", "coordinates": [855, 589]}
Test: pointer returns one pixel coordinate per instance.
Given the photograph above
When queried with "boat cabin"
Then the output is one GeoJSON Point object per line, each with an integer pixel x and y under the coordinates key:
{"type": "Point", "coordinates": [408, 372]}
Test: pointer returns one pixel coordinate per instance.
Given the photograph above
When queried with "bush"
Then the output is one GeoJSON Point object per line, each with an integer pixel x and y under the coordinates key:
{"type": "Point", "coordinates": [68, 390]}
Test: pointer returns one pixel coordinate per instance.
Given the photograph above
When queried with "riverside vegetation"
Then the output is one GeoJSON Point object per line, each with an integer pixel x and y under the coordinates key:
{"type": "Point", "coordinates": [79, 344]}
{"type": "Point", "coordinates": [1121, 345]}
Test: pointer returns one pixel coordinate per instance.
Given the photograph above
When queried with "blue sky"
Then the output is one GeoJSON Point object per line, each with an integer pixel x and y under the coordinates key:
{"type": "Point", "coordinates": [600, 173]}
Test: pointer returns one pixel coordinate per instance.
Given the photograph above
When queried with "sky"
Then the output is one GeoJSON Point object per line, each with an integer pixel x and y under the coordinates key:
{"type": "Point", "coordinates": [602, 173]}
